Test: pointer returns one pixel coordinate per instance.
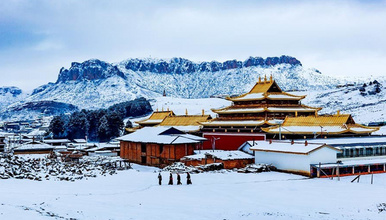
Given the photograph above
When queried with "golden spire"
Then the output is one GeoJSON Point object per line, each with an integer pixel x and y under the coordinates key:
{"type": "Point", "coordinates": [203, 112]}
{"type": "Point", "coordinates": [156, 110]}
{"type": "Point", "coordinates": [186, 111]}
{"type": "Point", "coordinates": [296, 113]}
{"type": "Point", "coordinates": [259, 79]}
{"type": "Point", "coordinates": [338, 113]}
{"type": "Point", "coordinates": [265, 78]}
{"type": "Point", "coordinates": [271, 79]}
{"type": "Point", "coordinates": [316, 113]}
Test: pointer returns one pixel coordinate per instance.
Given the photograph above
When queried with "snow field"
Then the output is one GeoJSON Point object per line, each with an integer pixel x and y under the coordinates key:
{"type": "Point", "coordinates": [135, 194]}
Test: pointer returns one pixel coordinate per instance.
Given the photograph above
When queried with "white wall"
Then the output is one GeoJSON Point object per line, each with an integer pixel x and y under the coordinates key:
{"type": "Point", "coordinates": [284, 161]}
{"type": "Point", "coordinates": [296, 162]}
{"type": "Point", "coordinates": [323, 155]}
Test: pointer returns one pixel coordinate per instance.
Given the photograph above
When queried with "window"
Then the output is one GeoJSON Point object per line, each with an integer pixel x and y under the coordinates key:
{"type": "Point", "coordinates": [143, 147]}
{"type": "Point", "coordinates": [161, 148]}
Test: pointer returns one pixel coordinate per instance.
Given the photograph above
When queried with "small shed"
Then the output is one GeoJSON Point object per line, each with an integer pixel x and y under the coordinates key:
{"type": "Point", "coordinates": [56, 142]}
{"type": "Point", "coordinates": [158, 146]}
{"type": "Point", "coordinates": [293, 157]}
{"type": "Point", "coordinates": [36, 147]}
{"type": "Point", "coordinates": [230, 159]}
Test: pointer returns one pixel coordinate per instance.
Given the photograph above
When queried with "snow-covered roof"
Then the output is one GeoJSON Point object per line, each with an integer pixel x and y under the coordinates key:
{"type": "Point", "coordinates": [150, 121]}
{"type": "Point", "coordinates": [250, 96]}
{"type": "Point", "coordinates": [36, 132]}
{"type": "Point", "coordinates": [190, 128]}
{"type": "Point", "coordinates": [294, 109]}
{"type": "Point", "coordinates": [33, 146]}
{"type": "Point", "coordinates": [317, 130]}
{"type": "Point", "coordinates": [161, 135]}
{"type": "Point", "coordinates": [239, 110]}
{"type": "Point", "coordinates": [350, 141]}
{"type": "Point", "coordinates": [285, 96]}
{"type": "Point", "coordinates": [234, 123]}
{"type": "Point", "coordinates": [220, 154]}
{"type": "Point", "coordinates": [329, 124]}
{"type": "Point", "coordinates": [102, 146]}
{"type": "Point", "coordinates": [287, 147]}
{"type": "Point", "coordinates": [367, 161]}
{"type": "Point", "coordinates": [80, 140]}
{"type": "Point", "coordinates": [309, 129]}
{"type": "Point", "coordinates": [232, 109]}
{"type": "Point", "coordinates": [52, 141]}
{"type": "Point", "coordinates": [4, 134]}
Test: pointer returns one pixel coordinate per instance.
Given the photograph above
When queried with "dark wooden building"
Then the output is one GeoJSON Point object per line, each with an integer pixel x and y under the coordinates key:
{"type": "Point", "coordinates": [158, 146]}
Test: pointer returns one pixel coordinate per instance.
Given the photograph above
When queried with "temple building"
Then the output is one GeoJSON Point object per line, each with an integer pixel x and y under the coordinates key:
{"type": "Point", "coordinates": [186, 123]}
{"type": "Point", "coordinates": [319, 126]}
{"type": "Point", "coordinates": [265, 105]}
{"type": "Point", "coordinates": [267, 112]}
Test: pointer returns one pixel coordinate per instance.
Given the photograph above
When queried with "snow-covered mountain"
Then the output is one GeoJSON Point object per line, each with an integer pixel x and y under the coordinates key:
{"type": "Point", "coordinates": [366, 102]}
{"type": "Point", "coordinates": [97, 84]}
{"type": "Point", "coordinates": [92, 84]}
{"type": "Point", "coordinates": [9, 95]}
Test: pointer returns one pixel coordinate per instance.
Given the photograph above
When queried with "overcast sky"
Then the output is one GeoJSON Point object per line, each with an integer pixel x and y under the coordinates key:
{"type": "Point", "coordinates": [37, 38]}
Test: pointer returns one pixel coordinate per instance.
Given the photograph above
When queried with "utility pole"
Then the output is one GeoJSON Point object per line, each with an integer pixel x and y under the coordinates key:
{"type": "Point", "coordinates": [214, 143]}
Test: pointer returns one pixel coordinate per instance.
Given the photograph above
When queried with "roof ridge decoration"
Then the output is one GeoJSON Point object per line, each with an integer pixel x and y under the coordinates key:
{"type": "Point", "coordinates": [265, 88]}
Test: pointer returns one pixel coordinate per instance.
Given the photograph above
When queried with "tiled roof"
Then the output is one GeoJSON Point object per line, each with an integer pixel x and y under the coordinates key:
{"type": "Point", "coordinates": [184, 120]}
{"type": "Point", "coordinates": [329, 124]}
{"type": "Point", "coordinates": [156, 118]}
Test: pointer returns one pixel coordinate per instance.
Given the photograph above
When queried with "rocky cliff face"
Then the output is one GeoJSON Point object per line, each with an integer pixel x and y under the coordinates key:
{"type": "Point", "coordinates": [89, 70]}
{"type": "Point", "coordinates": [11, 90]}
{"type": "Point", "coordinates": [183, 66]}
{"type": "Point", "coordinates": [9, 95]}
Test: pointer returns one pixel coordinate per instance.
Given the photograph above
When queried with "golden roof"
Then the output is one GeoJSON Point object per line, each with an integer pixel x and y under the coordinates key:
{"type": "Point", "coordinates": [330, 124]}
{"type": "Point", "coordinates": [265, 86]}
{"type": "Point", "coordinates": [184, 120]}
{"type": "Point", "coordinates": [326, 120]}
{"type": "Point", "coordinates": [266, 90]}
{"type": "Point", "coordinates": [161, 115]}
{"type": "Point", "coordinates": [156, 118]}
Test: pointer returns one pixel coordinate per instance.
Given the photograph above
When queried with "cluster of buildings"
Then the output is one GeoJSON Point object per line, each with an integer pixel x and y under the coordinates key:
{"type": "Point", "coordinates": [266, 125]}
{"type": "Point", "coordinates": [69, 149]}
{"type": "Point", "coordinates": [26, 126]}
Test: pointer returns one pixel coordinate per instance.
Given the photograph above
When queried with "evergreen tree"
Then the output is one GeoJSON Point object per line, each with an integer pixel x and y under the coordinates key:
{"type": "Point", "coordinates": [93, 119]}
{"type": "Point", "coordinates": [57, 127]}
{"type": "Point", "coordinates": [377, 88]}
{"type": "Point", "coordinates": [103, 129]}
{"type": "Point", "coordinates": [115, 122]}
{"type": "Point", "coordinates": [78, 125]}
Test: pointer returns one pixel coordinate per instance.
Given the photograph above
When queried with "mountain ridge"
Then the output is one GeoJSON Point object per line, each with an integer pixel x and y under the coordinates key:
{"type": "Point", "coordinates": [95, 84]}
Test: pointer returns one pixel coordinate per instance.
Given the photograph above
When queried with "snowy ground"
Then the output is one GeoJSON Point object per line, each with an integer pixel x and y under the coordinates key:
{"type": "Point", "coordinates": [135, 194]}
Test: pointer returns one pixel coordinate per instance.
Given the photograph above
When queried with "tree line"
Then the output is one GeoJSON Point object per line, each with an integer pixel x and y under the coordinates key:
{"type": "Point", "coordinates": [98, 125]}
